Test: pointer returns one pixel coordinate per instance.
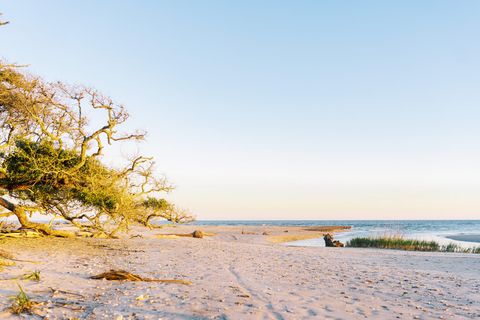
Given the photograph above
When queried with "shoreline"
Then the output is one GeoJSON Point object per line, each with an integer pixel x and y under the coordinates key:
{"type": "Point", "coordinates": [236, 274]}
{"type": "Point", "coordinates": [309, 232]}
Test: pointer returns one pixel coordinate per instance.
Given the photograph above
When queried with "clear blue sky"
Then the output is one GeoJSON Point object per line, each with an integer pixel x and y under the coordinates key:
{"type": "Point", "coordinates": [282, 109]}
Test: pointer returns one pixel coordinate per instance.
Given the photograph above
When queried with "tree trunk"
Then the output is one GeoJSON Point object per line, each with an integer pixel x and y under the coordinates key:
{"type": "Point", "coordinates": [26, 223]}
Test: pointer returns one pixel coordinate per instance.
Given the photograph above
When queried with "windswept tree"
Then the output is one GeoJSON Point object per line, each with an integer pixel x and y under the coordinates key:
{"type": "Point", "coordinates": [51, 160]}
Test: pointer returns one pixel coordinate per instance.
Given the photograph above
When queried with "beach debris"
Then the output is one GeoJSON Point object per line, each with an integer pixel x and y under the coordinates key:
{"type": "Point", "coordinates": [96, 234]}
{"type": "Point", "coordinates": [6, 263]}
{"type": "Point", "coordinates": [123, 275]}
{"type": "Point", "coordinates": [6, 255]}
{"type": "Point", "coordinates": [84, 234]}
{"type": "Point", "coordinates": [329, 242]}
{"type": "Point", "coordinates": [58, 291]}
{"type": "Point", "coordinates": [142, 297]}
{"type": "Point", "coordinates": [197, 234]}
{"type": "Point", "coordinates": [22, 233]}
{"type": "Point", "coordinates": [5, 259]}
{"type": "Point", "coordinates": [22, 303]}
{"type": "Point", "coordinates": [33, 276]}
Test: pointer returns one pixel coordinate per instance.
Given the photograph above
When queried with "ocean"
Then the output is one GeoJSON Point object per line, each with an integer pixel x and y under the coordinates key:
{"type": "Point", "coordinates": [462, 232]}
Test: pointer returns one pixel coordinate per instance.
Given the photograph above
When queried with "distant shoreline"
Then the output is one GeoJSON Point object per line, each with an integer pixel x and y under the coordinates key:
{"type": "Point", "coordinates": [465, 237]}
{"type": "Point", "coordinates": [307, 232]}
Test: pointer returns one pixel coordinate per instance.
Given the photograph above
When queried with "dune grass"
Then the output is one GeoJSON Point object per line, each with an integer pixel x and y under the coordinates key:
{"type": "Point", "coordinates": [22, 303]}
{"type": "Point", "coordinates": [400, 243]}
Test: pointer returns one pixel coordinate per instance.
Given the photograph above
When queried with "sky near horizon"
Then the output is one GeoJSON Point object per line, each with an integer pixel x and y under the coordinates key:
{"type": "Point", "coordinates": [281, 109]}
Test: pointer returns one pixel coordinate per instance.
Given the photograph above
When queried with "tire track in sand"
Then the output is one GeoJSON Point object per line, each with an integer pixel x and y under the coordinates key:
{"type": "Point", "coordinates": [268, 304]}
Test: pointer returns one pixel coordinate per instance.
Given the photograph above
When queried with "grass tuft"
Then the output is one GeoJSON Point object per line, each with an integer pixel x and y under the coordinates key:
{"type": "Point", "coordinates": [400, 243]}
{"type": "Point", "coordinates": [22, 303]}
{"type": "Point", "coordinates": [33, 276]}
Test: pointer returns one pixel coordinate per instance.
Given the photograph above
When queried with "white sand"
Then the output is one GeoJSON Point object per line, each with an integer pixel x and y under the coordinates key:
{"type": "Point", "coordinates": [240, 276]}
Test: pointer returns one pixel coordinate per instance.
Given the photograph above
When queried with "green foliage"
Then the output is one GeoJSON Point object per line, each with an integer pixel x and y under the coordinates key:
{"type": "Point", "coordinates": [51, 159]}
{"type": "Point", "coordinates": [41, 172]}
{"type": "Point", "coordinates": [393, 243]}
{"type": "Point", "coordinates": [22, 303]}
{"type": "Point", "coordinates": [37, 164]}
{"type": "Point", "coordinates": [33, 276]}
{"type": "Point", "coordinates": [398, 242]}
{"type": "Point", "coordinates": [154, 203]}
{"type": "Point", "coordinates": [452, 247]}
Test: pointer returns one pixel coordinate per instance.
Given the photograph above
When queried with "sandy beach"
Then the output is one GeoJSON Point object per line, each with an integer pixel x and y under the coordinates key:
{"type": "Point", "coordinates": [239, 273]}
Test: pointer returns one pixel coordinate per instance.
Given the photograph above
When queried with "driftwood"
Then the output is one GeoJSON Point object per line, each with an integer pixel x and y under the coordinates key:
{"type": "Point", "coordinates": [127, 276]}
{"type": "Point", "coordinates": [197, 234]}
{"type": "Point", "coordinates": [329, 242]}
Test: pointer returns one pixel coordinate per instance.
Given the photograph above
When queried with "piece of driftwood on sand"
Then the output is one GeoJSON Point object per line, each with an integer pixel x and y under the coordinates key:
{"type": "Point", "coordinates": [123, 275]}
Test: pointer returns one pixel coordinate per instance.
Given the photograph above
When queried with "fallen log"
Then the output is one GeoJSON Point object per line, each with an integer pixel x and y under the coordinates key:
{"type": "Point", "coordinates": [123, 275]}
